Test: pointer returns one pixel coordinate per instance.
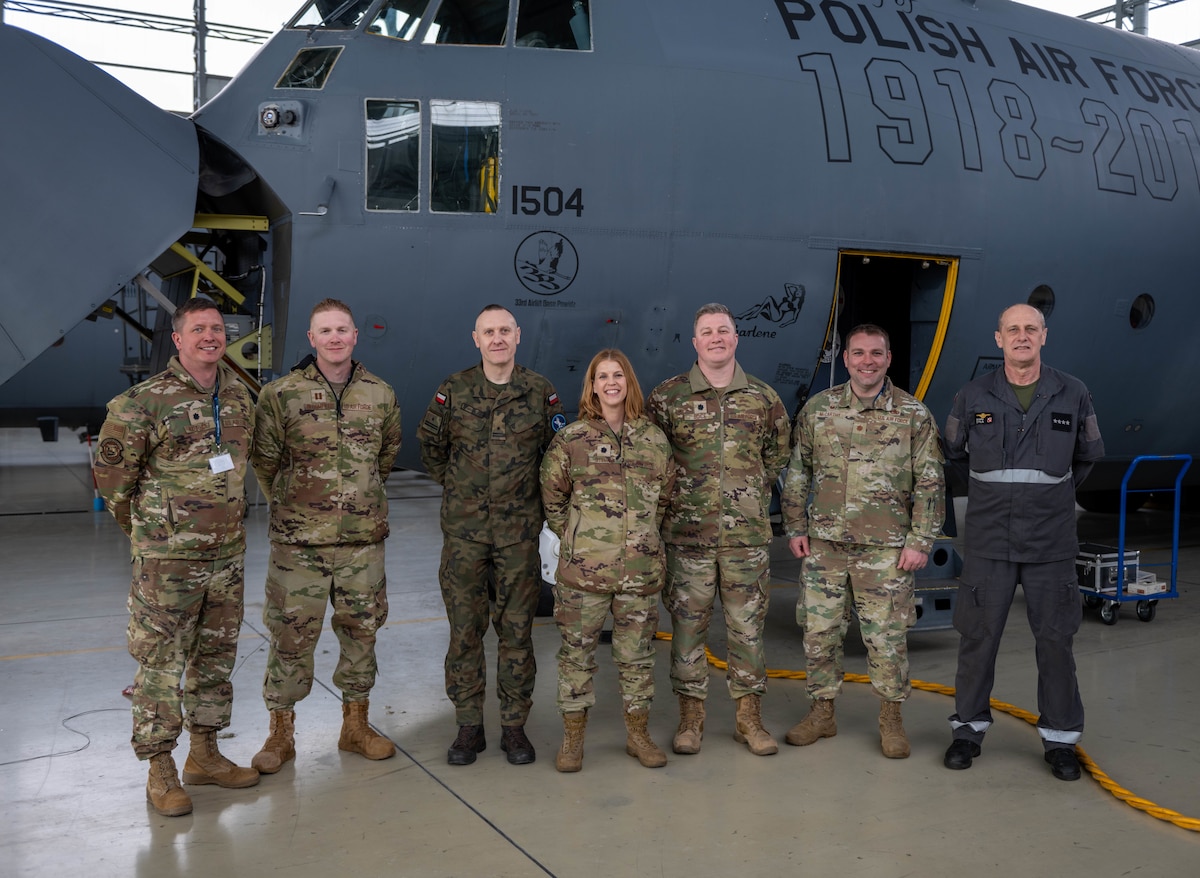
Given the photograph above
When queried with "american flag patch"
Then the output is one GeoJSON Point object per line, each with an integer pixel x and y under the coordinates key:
{"type": "Point", "coordinates": [439, 398]}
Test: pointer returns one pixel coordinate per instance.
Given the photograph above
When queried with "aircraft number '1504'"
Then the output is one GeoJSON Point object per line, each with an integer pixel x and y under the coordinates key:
{"type": "Point", "coordinates": [535, 200]}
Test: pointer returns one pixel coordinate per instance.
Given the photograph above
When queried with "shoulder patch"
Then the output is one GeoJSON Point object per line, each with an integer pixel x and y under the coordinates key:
{"type": "Point", "coordinates": [112, 452]}
{"type": "Point", "coordinates": [558, 421]}
{"type": "Point", "coordinates": [552, 399]}
{"type": "Point", "coordinates": [440, 398]}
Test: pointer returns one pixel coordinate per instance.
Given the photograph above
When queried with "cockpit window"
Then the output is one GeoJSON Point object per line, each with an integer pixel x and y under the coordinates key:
{"type": "Point", "coordinates": [469, 23]}
{"type": "Point", "coordinates": [310, 68]}
{"type": "Point", "coordinates": [554, 24]}
{"type": "Point", "coordinates": [399, 19]}
{"type": "Point", "coordinates": [393, 154]}
{"type": "Point", "coordinates": [333, 14]}
{"type": "Point", "coordinates": [465, 151]}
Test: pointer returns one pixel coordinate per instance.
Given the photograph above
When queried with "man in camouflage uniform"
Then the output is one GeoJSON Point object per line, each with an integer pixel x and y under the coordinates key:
{"type": "Point", "coordinates": [868, 454]}
{"type": "Point", "coordinates": [729, 433]}
{"type": "Point", "coordinates": [324, 441]}
{"type": "Point", "coordinates": [482, 440]}
{"type": "Point", "coordinates": [171, 467]}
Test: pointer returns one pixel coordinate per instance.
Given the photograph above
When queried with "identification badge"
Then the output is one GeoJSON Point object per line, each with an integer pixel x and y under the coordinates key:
{"type": "Point", "coordinates": [222, 463]}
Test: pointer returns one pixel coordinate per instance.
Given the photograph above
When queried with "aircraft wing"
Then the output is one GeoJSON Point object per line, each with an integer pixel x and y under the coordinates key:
{"type": "Point", "coordinates": [97, 183]}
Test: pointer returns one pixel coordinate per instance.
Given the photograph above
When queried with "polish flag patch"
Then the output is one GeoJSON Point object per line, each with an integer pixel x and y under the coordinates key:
{"type": "Point", "coordinates": [439, 398]}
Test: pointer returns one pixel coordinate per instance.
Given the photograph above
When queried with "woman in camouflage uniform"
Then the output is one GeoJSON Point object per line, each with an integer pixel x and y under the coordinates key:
{"type": "Point", "coordinates": [606, 482]}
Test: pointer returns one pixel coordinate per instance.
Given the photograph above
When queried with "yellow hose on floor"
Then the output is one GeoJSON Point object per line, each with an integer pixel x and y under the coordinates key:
{"type": "Point", "coordinates": [1119, 792]}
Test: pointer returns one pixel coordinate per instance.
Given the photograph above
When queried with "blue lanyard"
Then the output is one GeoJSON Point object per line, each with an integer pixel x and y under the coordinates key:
{"type": "Point", "coordinates": [217, 410]}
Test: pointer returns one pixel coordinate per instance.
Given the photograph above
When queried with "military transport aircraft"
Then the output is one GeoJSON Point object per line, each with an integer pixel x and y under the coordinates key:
{"type": "Point", "coordinates": [604, 167]}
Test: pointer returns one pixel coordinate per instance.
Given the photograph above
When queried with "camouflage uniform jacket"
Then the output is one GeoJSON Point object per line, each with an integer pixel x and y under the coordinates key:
{"type": "Point", "coordinates": [483, 443]}
{"type": "Point", "coordinates": [605, 498]}
{"type": "Point", "coordinates": [153, 470]}
{"type": "Point", "coordinates": [874, 471]}
{"type": "Point", "coordinates": [322, 460]}
{"type": "Point", "coordinates": [729, 447]}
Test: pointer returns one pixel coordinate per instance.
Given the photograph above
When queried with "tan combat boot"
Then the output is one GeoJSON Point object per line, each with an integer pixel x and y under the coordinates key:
{"type": "Point", "coordinates": [280, 745]}
{"type": "Point", "coordinates": [358, 737]}
{"type": "Point", "coordinates": [570, 754]}
{"type": "Point", "coordinates": [891, 731]}
{"type": "Point", "coordinates": [163, 791]}
{"type": "Point", "coordinates": [748, 728]}
{"type": "Point", "coordinates": [205, 764]}
{"type": "Point", "coordinates": [691, 725]}
{"type": "Point", "coordinates": [818, 724]}
{"type": "Point", "coordinates": [638, 742]}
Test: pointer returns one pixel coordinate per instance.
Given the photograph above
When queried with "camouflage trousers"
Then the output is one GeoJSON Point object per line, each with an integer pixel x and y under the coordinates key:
{"type": "Point", "coordinates": [301, 582]}
{"type": "Point", "coordinates": [580, 616]}
{"type": "Point", "coordinates": [466, 571]}
{"type": "Point", "coordinates": [184, 619]}
{"type": "Point", "coordinates": [883, 599]}
{"type": "Point", "coordinates": [695, 576]}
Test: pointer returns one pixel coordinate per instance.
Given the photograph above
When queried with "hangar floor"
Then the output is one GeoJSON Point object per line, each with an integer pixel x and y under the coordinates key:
{"type": "Point", "coordinates": [71, 791]}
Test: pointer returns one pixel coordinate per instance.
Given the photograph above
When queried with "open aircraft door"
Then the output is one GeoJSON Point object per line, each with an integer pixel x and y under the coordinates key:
{"type": "Point", "coordinates": [88, 207]}
{"type": "Point", "coordinates": [908, 294]}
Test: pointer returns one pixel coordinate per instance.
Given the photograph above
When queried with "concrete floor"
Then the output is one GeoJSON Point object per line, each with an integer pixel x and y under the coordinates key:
{"type": "Point", "coordinates": [71, 791]}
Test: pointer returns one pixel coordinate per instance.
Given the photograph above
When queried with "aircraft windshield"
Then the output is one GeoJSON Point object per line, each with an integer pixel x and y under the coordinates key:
{"type": "Point", "coordinates": [399, 19]}
{"type": "Point", "coordinates": [554, 24]}
{"type": "Point", "coordinates": [333, 14]}
{"type": "Point", "coordinates": [310, 68]}
{"type": "Point", "coordinates": [469, 23]}
{"type": "Point", "coordinates": [541, 24]}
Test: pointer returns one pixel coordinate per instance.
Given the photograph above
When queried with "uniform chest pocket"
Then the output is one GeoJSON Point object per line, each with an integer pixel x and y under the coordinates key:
{"type": "Point", "coordinates": [189, 432]}
{"type": "Point", "coordinates": [985, 443]}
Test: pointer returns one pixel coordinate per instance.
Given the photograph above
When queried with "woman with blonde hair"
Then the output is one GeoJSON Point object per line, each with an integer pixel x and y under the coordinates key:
{"type": "Point", "coordinates": [606, 482]}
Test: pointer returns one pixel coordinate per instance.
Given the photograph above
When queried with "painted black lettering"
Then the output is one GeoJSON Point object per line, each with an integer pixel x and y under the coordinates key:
{"type": "Point", "coordinates": [1140, 84]}
{"type": "Point", "coordinates": [1024, 59]}
{"type": "Point", "coordinates": [1188, 130]}
{"type": "Point", "coordinates": [880, 39]}
{"type": "Point", "coordinates": [833, 109]}
{"type": "Point", "coordinates": [952, 81]}
{"type": "Point", "coordinates": [1066, 65]}
{"type": "Point", "coordinates": [1185, 88]}
{"type": "Point", "coordinates": [1166, 88]}
{"type": "Point", "coordinates": [1105, 69]}
{"type": "Point", "coordinates": [912, 32]}
{"type": "Point", "coordinates": [790, 16]}
{"type": "Point", "coordinates": [1108, 147]}
{"type": "Point", "coordinates": [897, 95]}
{"type": "Point", "coordinates": [1045, 61]}
{"type": "Point", "coordinates": [1019, 141]}
{"type": "Point", "coordinates": [976, 41]}
{"type": "Point", "coordinates": [829, 7]}
{"type": "Point", "coordinates": [938, 41]}
{"type": "Point", "coordinates": [1158, 168]}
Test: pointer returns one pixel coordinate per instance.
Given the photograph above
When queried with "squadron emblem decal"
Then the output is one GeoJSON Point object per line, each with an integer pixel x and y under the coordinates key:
{"type": "Point", "coordinates": [112, 451]}
{"type": "Point", "coordinates": [546, 263]}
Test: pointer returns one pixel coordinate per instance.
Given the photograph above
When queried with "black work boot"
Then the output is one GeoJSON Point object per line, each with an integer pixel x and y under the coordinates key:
{"type": "Point", "coordinates": [470, 741]}
{"type": "Point", "coordinates": [516, 745]}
